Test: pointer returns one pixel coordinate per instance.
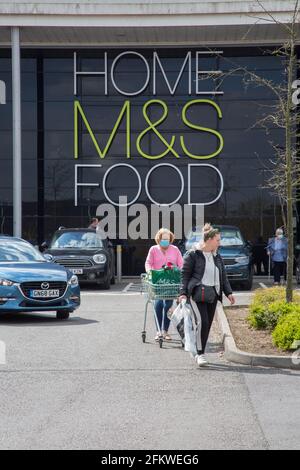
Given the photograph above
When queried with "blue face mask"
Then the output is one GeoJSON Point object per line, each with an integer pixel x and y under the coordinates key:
{"type": "Point", "coordinates": [164, 243]}
{"type": "Point", "coordinates": [280, 236]}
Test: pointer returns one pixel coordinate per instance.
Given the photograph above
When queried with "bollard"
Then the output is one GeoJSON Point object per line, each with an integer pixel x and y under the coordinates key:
{"type": "Point", "coordinates": [119, 263]}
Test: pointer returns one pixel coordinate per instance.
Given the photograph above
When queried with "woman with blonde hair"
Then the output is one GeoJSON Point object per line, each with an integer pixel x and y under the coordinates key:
{"type": "Point", "coordinates": [159, 255]}
{"type": "Point", "coordinates": [204, 280]}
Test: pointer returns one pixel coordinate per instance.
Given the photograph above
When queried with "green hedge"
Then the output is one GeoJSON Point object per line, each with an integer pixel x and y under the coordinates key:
{"type": "Point", "coordinates": [269, 305]}
{"type": "Point", "coordinates": [272, 294]}
{"type": "Point", "coordinates": [287, 331]}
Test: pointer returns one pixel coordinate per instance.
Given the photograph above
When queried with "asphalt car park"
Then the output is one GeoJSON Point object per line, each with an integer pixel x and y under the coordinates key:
{"type": "Point", "coordinates": [133, 284]}
{"type": "Point", "coordinates": [90, 383]}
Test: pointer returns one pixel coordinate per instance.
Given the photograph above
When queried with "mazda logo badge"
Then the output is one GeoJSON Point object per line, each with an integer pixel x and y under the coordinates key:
{"type": "Point", "coordinates": [45, 285]}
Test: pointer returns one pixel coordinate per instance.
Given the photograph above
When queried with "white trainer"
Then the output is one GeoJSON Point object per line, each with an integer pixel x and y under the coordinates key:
{"type": "Point", "coordinates": [201, 360]}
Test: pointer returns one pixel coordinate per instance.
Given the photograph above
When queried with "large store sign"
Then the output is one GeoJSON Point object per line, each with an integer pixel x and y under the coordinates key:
{"type": "Point", "coordinates": [191, 67]}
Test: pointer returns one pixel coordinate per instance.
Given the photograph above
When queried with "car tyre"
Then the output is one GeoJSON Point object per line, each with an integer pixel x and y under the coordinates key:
{"type": "Point", "coordinates": [247, 285]}
{"type": "Point", "coordinates": [62, 314]}
{"type": "Point", "coordinates": [106, 284]}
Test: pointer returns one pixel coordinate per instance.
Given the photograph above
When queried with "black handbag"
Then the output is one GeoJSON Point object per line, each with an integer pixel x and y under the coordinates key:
{"type": "Point", "coordinates": [202, 293]}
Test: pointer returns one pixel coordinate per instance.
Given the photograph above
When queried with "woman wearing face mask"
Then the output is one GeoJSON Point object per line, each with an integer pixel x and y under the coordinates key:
{"type": "Point", "coordinates": [277, 249]}
{"type": "Point", "coordinates": [204, 272]}
{"type": "Point", "coordinates": [159, 255]}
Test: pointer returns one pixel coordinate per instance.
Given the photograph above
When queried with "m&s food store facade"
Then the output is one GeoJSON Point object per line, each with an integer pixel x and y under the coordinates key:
{"type": "Point", "coordinates": [136, 113]}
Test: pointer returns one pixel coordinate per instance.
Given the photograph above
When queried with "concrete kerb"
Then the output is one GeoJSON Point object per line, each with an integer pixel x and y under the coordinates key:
{"type": "Point", "coordinates": [233, 354]}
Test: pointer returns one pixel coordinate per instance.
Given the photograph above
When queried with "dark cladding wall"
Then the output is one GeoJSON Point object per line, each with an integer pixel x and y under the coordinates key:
{"type": "Point", "coordinates": [29, 147]}
{"type": "Point", "coordinates": [48, 141]}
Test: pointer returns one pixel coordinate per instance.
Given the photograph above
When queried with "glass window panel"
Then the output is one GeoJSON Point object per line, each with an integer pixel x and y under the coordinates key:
{"type": "Point", "coordinates": [58, 115]}
{"type": "Point", "coordinates": [58, 86]}
{"type": "Point", "coordinates": [28, 85]}
{"type": "Point", "coordinates": [63, 64]}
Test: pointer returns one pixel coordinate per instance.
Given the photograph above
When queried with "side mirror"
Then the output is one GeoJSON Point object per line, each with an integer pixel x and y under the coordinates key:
{"type": "Point", "coordinates": [248, 245]}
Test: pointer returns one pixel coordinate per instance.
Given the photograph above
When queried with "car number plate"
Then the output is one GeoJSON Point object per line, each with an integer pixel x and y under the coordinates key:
{"type": "Point", "coordinates": [76, 271]}
{"type": "Point", "coordinates": [48, 294]}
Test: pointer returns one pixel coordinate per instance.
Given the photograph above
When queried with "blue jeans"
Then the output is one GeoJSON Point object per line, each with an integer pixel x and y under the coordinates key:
{"type": "Point", "coordinates": [160, 306]}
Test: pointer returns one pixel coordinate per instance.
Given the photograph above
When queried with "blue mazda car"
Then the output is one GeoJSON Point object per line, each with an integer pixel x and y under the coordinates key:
{"type": "Point", "coordinates": [30, 283]}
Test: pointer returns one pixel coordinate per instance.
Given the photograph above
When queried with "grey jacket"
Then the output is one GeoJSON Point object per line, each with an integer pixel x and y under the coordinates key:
{"type": "Point", "coordinates": [193, 271]}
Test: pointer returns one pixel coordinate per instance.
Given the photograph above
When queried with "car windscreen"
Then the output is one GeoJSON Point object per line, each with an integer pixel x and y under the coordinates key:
{"type": "Point", "coordinates": [194, 237]}
{"type": "Point", "coordinates": [229, 237]}
{"type": "Point", "coordinates": [18, 251]}
{"type": "Point", "coordinates": [76, 240]}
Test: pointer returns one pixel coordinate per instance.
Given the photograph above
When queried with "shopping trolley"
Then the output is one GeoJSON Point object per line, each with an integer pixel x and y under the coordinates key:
{"type": "Point", "coordinates": [154, 292]}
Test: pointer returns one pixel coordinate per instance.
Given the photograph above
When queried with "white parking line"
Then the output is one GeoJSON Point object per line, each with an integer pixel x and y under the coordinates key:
{"type": "Point", "coordinates": [87, 294]}
{"type": "Point", "coordinates": [2, 353]}
{"type": "Point", "coordinates": [263, 285]}
{"type": "Point", "coordinates": [126, 289]}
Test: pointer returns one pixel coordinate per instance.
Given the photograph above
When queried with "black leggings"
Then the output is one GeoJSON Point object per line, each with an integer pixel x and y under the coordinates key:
{"type": "Point", "coordinates": [204, 314]}
{"type": "Point", "coordinates": [279, 269]}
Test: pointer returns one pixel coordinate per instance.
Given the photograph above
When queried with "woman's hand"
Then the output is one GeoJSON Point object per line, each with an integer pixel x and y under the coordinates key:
{"type": "Point", "coordinates": [231, 299]}
{"type": "Point", "coordinates": [182, 297]}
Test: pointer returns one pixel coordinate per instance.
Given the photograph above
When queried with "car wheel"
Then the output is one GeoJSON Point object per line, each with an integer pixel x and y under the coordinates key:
{"type": "Point", "coordinates": [62, 314]}
{"type": "Point", "coordinates": [106, 284]}
{"type": "Point", "coordinates": [247, 285]}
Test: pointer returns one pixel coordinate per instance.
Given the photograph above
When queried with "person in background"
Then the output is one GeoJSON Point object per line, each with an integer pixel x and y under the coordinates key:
{"type": "Point", "coordinates": [260, 256]}
{"type": "Point", "coordinates": [94, 222]}
{"type": "Point", "coordinates": [277, 248]}
{"type": "Point", "coordinates": [159, 255]}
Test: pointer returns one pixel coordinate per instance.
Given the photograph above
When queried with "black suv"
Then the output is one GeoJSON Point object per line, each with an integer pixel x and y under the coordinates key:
{"type": "Point", "coordinates": [85, 253]}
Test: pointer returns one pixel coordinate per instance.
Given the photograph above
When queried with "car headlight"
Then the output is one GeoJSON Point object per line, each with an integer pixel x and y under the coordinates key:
{"type": "Point", "coordinates": [6, 283]}
{"type": "Point", "coordinates": [73, 281]}
{"type": "Point", "coordinates": [242, 259]}
{"type": "Point", "coordinates": [99, 259]}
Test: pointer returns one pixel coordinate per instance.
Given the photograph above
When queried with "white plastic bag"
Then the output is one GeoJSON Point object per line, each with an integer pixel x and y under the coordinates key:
{"type": "Point", "coordinates": [177, 318]}
{"type": "Point", "coordinates": [172, 309]}
{"type": "Point", "coordinates": [189, 332]}
{"type": "Point", "coordinates": [183, 322]}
